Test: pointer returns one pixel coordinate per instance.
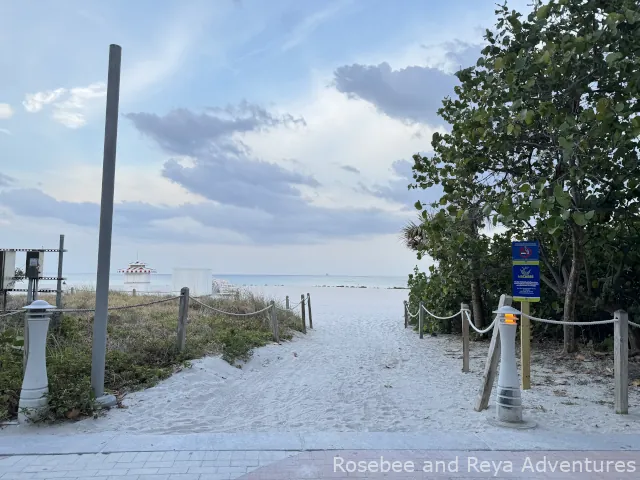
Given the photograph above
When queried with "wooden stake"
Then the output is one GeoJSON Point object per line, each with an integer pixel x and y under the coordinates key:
{"type": "Point", "coordinates": [183, 315]}
{"type": "Point", "coordinates": [621, 361]}
{"type": "Point", "coordinates": [525, 346]}
{"type": "Point", "coordinates": [493, 357]}
{"type": "Point", "coordinates": [406, 315]}
{"type": "Point", "coordinates": [465, 337]}
{"type": "Point", "coordinates": [309, 307]}
{"type": "Point", "coordinates": [274, 323]}
{"type": "Point", "coordinates": [420, 320]}
{"type": "Point", "coordinates": [304, 322]}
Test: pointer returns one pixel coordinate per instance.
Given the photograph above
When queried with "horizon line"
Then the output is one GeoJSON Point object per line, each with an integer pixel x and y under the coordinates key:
{"type": "Point", "coordinates": [254, 274]}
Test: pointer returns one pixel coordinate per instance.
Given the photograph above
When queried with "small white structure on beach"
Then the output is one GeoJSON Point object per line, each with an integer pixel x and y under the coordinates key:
{"type": "Point", "coordinates": [137, 276]}
{"type": "Point", "coordinates": [197, 279]}
{"type": "Point", "coordinates": [223, 287]}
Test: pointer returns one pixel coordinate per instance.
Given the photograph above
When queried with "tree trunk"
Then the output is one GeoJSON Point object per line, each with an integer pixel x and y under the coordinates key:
{"type": "Point", "coordinates": [476, 303]}
{"type": "Point", "coordinates": [571, 292]}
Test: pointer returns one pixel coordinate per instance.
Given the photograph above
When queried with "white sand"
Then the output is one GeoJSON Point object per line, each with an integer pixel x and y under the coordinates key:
{"type": "Point", "coordinates": [354, 372]}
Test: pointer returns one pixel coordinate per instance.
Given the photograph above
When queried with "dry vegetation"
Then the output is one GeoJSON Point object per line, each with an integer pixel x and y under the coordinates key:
{"type": "Point", "coordinates": [141, 348]}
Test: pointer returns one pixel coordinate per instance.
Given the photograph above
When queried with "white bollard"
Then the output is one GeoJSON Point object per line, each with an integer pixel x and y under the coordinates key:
{"type": "Point", "coordinates": [35, 385]}
{"type": "Point", "coordinates": [508, 397]}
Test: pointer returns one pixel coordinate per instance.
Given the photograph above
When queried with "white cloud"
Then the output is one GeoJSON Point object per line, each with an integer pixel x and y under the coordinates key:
{"type": "Point", "coordinates": [172, 46]}
{"type": "Point", "coordinates": [34, 102]}
{"type": "Point", "coordinates": [5, 111]}
{"type": "Point", "coordinates": [79, 182]}
{"type": "Point", "coordinates": [72, 112]}
{"type": "Point", "coordinates": [70, 106]}
{"type": "Point", "coordinates": [311, 23]}
{"type": "Point", "coordinates": [340, 131]}
{"type": "Point", "coordinates": [5, 131]}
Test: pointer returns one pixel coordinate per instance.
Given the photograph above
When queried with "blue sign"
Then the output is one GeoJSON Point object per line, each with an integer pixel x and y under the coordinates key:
{"type": "Point", "coordinates": [526, 271]}
{"type": "Point", "coordinates": [526, 283]}
{"type": "Point", "coordinates": [525, 251]}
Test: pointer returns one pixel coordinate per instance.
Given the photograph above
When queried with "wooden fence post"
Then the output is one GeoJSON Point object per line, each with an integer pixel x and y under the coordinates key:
{"type": "Point", "coordinates": [525, 346]}
{"type": "Point", "coordinates": [304, 322]}
{"type": "Point", "coordinates": [183, 315]}
{"type": "Point", "coordinates": [274, 322]}
{"type": "Point", "coordinates": [621, 361]}
{"type": "Point", "coordinates": [309, 307]}
{"type": "Point", "coordinates": [493, 357]}
{"type": "Point", "coordinates": [421, 319]}
{"type": "Point", "coordinates": [287, 302]}
{"type": "Point", "coordinates": [406, 314]}
{"type": "Point", "coordinates": [464, 308]}
{"type": "Point", "coordinates": [134, 292]}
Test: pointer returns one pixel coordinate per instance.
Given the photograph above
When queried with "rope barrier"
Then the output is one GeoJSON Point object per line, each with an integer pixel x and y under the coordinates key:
{"type": "Point", "coordinates": [89, 310]}
{"type": "Point", "coordinates": [441, 318]}
{"type": "Point", "coordinates": [634, 324]}
{"type": "Point", "coordinates": [125, 307]}
{"type": "Point", "coordinates": [290, 309]}
{"type": "Point", "coordinates": [230, 313]}
{"type": "Point", "coordinates": [560, 322]}
{"type": "Point", "coordinates": [493, 324]}
{"type": "Point", "coordinates": [412, 315]}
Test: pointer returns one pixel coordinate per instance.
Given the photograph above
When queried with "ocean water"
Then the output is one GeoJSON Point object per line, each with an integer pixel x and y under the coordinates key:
{"type": "Point", "coordinates": [162, 282]}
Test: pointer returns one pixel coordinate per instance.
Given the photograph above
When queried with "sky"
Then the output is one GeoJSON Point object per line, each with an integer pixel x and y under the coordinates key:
{"type": "Point", "coordinates": [253, 137]}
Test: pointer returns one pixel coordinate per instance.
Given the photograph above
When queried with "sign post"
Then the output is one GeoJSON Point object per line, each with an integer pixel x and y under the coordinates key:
{"type": "Point", "coordinates": [526, 289]}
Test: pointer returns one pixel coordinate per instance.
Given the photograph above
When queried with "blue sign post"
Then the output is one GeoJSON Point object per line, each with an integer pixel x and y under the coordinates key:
{"type": "Point", "coordinates": [526, 271]}
{"type": "Point", "coordinates": [525, 258]}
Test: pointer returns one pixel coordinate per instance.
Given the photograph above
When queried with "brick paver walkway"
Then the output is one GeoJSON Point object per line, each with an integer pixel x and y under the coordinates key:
{"type": "Point", "coordinates": [196, 465]}
{"type": "Point", "coordinates": [325, 464]}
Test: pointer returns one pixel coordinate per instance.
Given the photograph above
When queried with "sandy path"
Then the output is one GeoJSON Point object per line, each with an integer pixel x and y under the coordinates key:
{"type": "Point", "coordinates": [353, 372]}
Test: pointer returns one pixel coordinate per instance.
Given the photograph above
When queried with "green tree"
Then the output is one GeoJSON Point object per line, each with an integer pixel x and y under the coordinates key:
{"type": "Point", "coordinates": [546, 126]}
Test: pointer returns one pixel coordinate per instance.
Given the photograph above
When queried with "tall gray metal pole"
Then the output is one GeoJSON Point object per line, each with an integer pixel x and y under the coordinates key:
{"type": "Point", "coordinates": [59, 284]}
{"type": "Point", "coordinates": [106, 223]}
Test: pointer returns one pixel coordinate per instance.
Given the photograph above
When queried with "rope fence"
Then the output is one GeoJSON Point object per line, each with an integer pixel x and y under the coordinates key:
{"type": "Point", "coordinates": [183, 313]}
{"type": "Point", "coordinates": [620, 322]}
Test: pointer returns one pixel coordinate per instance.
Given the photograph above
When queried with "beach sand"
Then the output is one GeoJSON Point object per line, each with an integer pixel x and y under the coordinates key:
{"type": "Point", "coordinates": [358, 370]}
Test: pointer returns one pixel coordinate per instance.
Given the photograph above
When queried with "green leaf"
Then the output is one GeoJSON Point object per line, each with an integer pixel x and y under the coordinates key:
{"type": "Point", "coordinates": [579, 218]}
{"type": "Point", "coordinates": [589, 215]}
{"type": "Point", "coordinates": [546, 57]}
{"type": "Point", "coordinates": [418, 205]}
{"type": "Point", "coordinates": [554, 229]}
{"type": "Point", "coordinates": [487, 209]}
{"type": "Point", "coordinates": [525, 188]}
{"type": "Point", "coordinates": [566, 214]}
{"type": "Point", "coordinates": [443, 201]}
{"type": "Point", "coordinates": [536, 203]}
{"type": "Point", "coordinates": [528, 117]}
{"type": "Point", "coordinates": [498, 64]}
{"type": "Point", "coordinates": [543, 12]}
{"type": "Point", "coordinates": [510, 129]}
{"type": "Point", "coordinates": [602, 105]}
{"type": "Point", "coordinates": [565, 143]}
{"type": "Point", "coordinates": [612, 57]}
{"type": "Point", "coordinates": [562, 198]}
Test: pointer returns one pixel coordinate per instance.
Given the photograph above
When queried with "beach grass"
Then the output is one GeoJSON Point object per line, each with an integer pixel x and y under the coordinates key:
{"type": "Point", "coordinates": [141, 345]}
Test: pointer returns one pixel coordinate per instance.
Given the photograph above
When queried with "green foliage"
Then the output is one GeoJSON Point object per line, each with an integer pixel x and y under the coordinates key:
{"type": "Point", "coordinates": [439, 295]}
{"type": "Point", "coordinates": [239, 344]}
{"type": "Point", "coordinates": [544, 140]}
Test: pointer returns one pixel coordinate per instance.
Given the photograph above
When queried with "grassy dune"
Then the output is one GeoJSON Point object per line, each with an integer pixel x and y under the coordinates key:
{"type": "Point", "coordinates": [141, 346]}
